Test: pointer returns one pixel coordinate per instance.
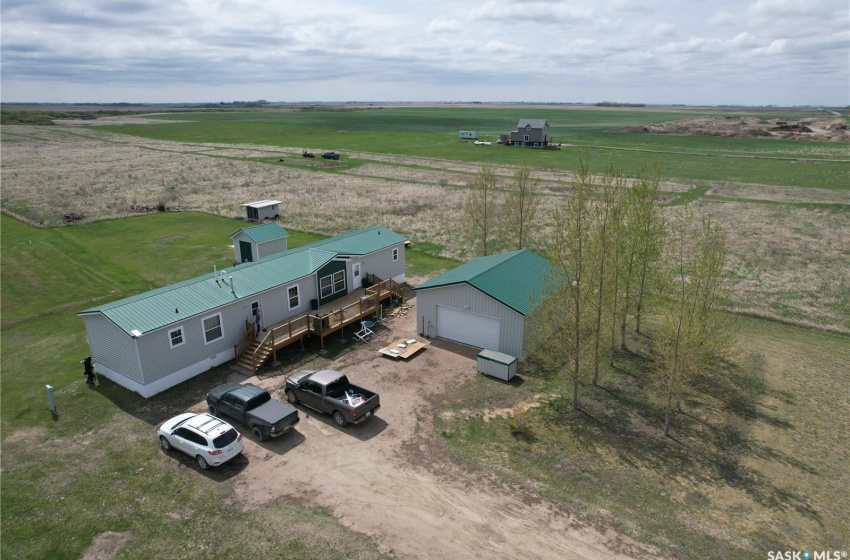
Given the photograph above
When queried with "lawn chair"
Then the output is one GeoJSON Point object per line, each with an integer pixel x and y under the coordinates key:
{"type": "Point", "coordinates": [365, 332]}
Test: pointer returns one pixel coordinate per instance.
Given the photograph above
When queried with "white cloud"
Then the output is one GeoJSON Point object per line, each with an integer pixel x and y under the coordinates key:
{"type": "Point", "coordinates": [376, 49]}
{"type": "Point", "coordinates": [443, 26]}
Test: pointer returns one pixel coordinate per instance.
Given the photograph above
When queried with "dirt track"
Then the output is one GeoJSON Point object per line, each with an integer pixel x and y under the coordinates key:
{"type": "Point", "coordinates": [390, 479]}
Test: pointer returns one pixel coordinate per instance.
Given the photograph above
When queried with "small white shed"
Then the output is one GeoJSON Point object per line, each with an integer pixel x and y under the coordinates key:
{"type": "Point", "coordinates": [262, 210]}
{"type": "Point", "coordinates": [468, 134]}
{"type": "Point", "coordinates": [496, 364]}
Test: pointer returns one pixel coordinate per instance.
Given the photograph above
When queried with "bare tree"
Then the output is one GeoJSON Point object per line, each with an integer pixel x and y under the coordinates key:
{"type": "Point", "coordinates": [568, 250]}
{"type": "Point", "coordinates": [693, 332]}
{"type": "Point", "coordinates": [481, 210]}
{"type": "Point", "coordinates": [519, 210]}
{"type": "Point", "coordinates": [612, 185]}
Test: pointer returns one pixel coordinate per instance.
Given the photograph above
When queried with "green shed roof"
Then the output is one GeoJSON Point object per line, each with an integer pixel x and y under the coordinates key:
{"type": "Point", "coordinates": [515, 279]}
{"type": "Point", "coordinates": [264, 232]}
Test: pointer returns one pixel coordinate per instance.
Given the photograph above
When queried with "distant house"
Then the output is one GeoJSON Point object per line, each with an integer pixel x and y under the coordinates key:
{"type": "Point", "coordinates": [155, 340]}
{"type": "Point", "coordinates": [262, 210]}
{"type": "Point", "coordinates": [253, 243]}
{"type": "Point", "coordinates": [468, 135]}
{"type": "Point", "coordinates": [531, 132]}
{"type": "Point", "coordinates": [489, 302]}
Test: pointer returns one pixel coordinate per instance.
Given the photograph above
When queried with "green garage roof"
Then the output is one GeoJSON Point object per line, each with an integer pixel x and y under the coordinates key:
{"type": "Point", "coordinates": [515, 279]}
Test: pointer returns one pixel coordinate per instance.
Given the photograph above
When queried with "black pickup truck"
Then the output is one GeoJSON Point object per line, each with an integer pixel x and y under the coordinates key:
{"type": "Point", "coordinates": [329, 391]}
{"type": "Point", "coordinates": [255, 407]}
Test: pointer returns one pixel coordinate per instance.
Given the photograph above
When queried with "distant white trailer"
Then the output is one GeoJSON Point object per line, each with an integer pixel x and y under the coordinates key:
{"type": "Point", "coordinates": [468, 135]}
{"type": "Point", "coordinates": [262, 209]}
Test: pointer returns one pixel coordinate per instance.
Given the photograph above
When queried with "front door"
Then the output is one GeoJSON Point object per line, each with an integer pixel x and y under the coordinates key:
{"type": "Point", "coordinates": [245, 252]}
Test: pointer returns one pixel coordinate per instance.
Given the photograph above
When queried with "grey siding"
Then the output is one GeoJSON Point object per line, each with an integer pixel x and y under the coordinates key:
{"type": "Point", "coordinates": [459, 296]}
{"type": "Point", "coordinates": [161, 360]}
{"type": "Point", "coordinates": [272, 247]}
{"type": "Point", "coordinates": [381, 264]}
{"type": "Point", "coordinates": [275, 303]}
{"type": "Point", "coordinates": [112, 347]}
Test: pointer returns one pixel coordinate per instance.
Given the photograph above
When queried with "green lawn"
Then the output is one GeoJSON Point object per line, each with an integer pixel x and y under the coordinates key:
{"type": "Point", "coordinates": [68, 478]}
{"type": "Point", "coordinates": [592, 133]}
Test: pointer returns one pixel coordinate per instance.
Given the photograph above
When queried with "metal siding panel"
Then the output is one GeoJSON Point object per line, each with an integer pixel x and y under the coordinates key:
{"type": "Point", "coordinates": [271, 247]}
{"type": "Point", "coordinates": [460, 295]}
{"type": "Point", "coordinates": [112, 347]}
{"type": "Point", "coordinates": [468, 328]}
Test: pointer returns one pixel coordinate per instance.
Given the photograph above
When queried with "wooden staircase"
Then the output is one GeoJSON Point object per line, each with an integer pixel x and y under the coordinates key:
{"type": "Point", "coordinates": [255, 356]}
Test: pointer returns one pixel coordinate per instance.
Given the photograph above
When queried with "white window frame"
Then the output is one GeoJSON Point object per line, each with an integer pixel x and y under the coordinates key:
{"type": "Point", "coordinates": [330, 285]}
{"type": "Point", "coordinates": [182, 337]}
{"type": "Point", "coordinates": [297, 296]}
{"type": "Point", "coordinates": [395, 254]}
{"type": "Point", "coordinates": [338, 280]}
{"type": "Point", "coordinates": [204, 327]}
{"type": "Point", "coordinates": [526, 137]}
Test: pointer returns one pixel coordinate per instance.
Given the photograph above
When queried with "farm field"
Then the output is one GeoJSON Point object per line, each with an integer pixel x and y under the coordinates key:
{"type": "Point", "coordinates": [756, 464]}
{"type": "Point", "coordinates": [787, 211]}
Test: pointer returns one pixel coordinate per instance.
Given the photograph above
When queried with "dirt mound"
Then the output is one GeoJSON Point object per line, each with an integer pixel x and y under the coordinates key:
{"type": "Point", "coordinates": [825, 129]}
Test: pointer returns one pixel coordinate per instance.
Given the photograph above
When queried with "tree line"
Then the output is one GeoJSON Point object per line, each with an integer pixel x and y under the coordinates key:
{"type": "Point", "coordinates": [616, 258]}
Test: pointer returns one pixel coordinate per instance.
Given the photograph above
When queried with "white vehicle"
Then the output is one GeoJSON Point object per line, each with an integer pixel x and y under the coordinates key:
{"type": "Point", "coordinates": [482, 143]}
{"type": "Point", "coordinates": [210, 440]}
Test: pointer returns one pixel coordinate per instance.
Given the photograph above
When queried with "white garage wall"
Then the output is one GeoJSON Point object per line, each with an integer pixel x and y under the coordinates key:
{"type": "Point", "coordinates": [466, 298]}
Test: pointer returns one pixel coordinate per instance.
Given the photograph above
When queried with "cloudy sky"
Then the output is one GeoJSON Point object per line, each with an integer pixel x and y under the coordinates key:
{"type": "Point", "coordinates": [714, 52]}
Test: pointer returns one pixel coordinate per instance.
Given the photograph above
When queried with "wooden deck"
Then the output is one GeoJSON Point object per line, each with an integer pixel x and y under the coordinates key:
{"type": "Point", "coordinates": [253, 351]}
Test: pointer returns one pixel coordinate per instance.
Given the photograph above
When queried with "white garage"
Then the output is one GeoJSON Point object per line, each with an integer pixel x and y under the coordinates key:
{"type": "Point", "coordinates": [486, 303]}
{"type": "Point", "coordinates": [468, 328]}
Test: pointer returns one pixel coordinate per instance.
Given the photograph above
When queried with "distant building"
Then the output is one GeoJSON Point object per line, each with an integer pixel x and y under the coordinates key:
{"type": "Point", "coordinates": [468, 135]}
{"type": "Point", "coordinates": [262, 210]}
{"type": "Point", "coordinates": [531, 132]}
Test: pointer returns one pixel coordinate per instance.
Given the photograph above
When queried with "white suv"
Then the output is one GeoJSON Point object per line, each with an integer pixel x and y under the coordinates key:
{"type": "Point", "coordinates": [210, 440]}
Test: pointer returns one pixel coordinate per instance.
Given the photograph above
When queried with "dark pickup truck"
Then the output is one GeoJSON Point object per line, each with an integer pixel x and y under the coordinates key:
{"type": "Point", "coordinates": [329, 391]}
{"type": "Point", "coordinates": [253, 406]}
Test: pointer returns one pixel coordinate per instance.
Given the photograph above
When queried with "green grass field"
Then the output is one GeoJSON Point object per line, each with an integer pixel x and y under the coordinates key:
{"type": "Point", "coordinates": [432, 133]}
{"type": "Point", "coordinates": [68, 478]}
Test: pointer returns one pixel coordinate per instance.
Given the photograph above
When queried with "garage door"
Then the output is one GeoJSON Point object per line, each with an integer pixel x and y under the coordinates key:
{"type": "Point", "coordinates": [468, 328]}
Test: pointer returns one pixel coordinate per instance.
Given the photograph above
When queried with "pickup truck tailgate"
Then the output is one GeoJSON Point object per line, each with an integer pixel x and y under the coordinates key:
{"type": "Point", "coordinates": [271, 411]}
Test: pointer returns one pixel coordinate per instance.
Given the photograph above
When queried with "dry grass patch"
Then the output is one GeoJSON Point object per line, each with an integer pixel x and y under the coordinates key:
{"type": "Point", "coordinates": [780, 194]}
{"type": "Point", "coordinates": [788, 263]}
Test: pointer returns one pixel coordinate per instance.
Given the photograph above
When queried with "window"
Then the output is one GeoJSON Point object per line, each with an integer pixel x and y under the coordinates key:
{"type": "Point", "coordinates": [395, 254]}
{"type": "Point", "coordinates": [212, 328]}
{"type": "Point", "coordinates": [326, 286]}
{"type": "Point", "coordinates": [175, 337]}
{"type": "Point", "coordinates": [339, 281]}
{"type": "Point", "coordinates": [526, 137]}
{"type": "Point", "coordinates": [292, 292]}
{"type": "Point", "coordinates": [355, 270]}
{"type": "Point", "coordinates": [332, 284]}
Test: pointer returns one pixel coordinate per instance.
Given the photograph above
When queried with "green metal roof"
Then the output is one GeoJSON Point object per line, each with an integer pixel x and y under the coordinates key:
{"type": "Point", "coordinates": [360, 242]}
{"type": "Point", "coordinates": [515, 279]}
{"type": "Point", "coordinates": [167, 305]}
{"type": "Point", "coordinates": [164, 306]}
{"type": "Point", "coordinates": [264, 232]}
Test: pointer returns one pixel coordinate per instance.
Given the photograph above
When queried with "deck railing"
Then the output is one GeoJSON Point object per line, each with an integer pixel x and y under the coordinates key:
{"type": "Point", "coordinates": [312, 323]}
